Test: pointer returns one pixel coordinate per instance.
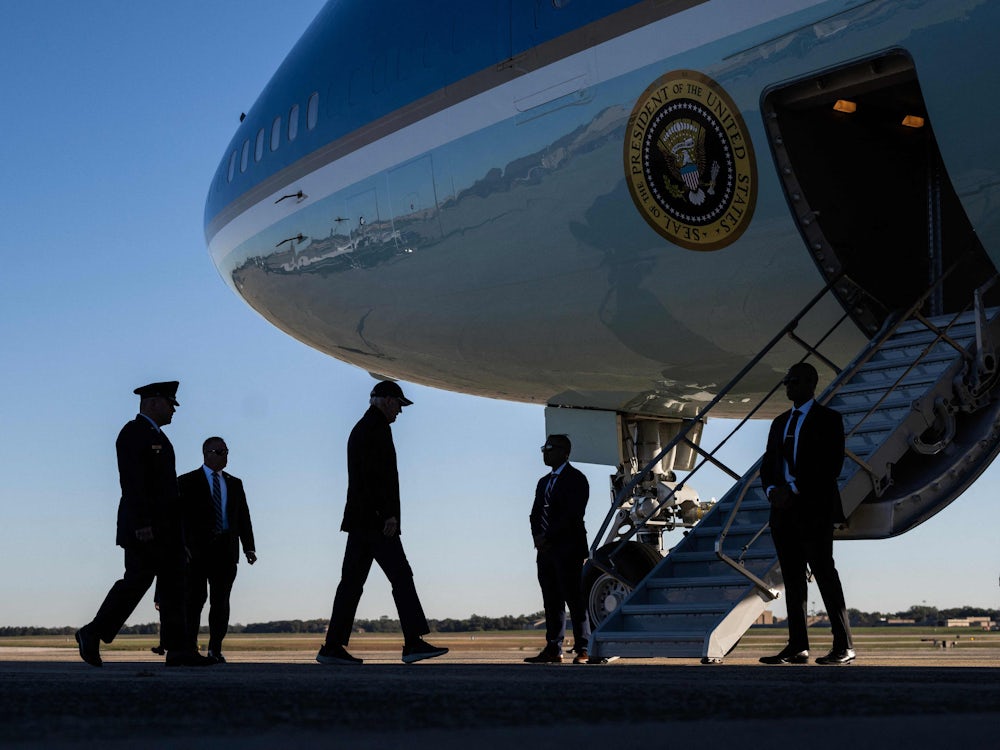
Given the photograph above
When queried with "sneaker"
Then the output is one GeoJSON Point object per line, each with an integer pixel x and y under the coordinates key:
{"type": "Point", "coordinates": [336, 655]}
{"type": "Point", "coordinates": [421, 649]}
{"type": "Point", "coordinates": [547, 655]}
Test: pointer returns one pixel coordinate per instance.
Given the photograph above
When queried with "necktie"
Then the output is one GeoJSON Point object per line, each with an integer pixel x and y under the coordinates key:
{"type": "Point", "coordinates": [544, 520]}
{"type": "Point", "coordinates": [788, 447]}
{"type": "Point", "coordinates": [217, 501]}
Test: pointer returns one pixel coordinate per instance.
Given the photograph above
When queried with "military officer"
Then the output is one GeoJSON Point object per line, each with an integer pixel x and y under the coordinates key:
{"type": "Point", "coordinates": [150, 531]}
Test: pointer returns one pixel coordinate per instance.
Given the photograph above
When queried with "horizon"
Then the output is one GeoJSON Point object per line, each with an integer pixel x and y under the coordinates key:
{"type": "Point", "coordinates": [989, 611]}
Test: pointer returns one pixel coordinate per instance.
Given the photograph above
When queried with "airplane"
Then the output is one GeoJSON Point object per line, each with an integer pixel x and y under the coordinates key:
{"type": "Point", "coordinates": [640, 213]}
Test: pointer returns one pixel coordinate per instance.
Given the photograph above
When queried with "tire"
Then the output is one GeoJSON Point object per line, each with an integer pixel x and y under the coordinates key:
{"type": "Point", "coordinates": [605, 593]}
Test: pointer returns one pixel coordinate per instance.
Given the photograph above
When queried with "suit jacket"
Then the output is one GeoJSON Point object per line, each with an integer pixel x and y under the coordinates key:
{"type": "Point", "coordinates": [372, 477]}
{"type": "Point", "coordinates": [819, 458]}
{"type": "Point", "coordinates": [199, 513]}
{"type": "Point", "coordinates": [148, 477]}
{"type": "Point", "coordinates": [567, 506]}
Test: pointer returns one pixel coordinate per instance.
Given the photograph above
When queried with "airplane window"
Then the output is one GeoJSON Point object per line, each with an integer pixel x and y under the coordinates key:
{"type": "Point", "coordinates": [232, 166]}
{"type": "Point", "coordinates": [312, 113]}
{"type": "Point", "coordinates": [258, 147]}
{"type": "Point", "coordinates": [293, 122]}
{"type": "Point", "coordinates": [245, 156]}
{"type": "Point", "coordinates": [276, 133]}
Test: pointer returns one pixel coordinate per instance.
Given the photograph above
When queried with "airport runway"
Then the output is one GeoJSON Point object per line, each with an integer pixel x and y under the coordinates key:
{"type": "Point", "coordinates": [490, 700]}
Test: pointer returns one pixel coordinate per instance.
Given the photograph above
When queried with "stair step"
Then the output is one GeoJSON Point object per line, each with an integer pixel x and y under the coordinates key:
{"type": "Point", "coordinates": [755, 500]}
{"type": "Point", "coordinates": [689, 557]}
{"type": "Point", "coordinates": [941, 321]}
{"type": "Point", "coordinates": [698, 582]}
{"type": "Point", "coordinates": [624, 636]}
{"type": "Point", "coordinates": [735, 530]}
{"type": "Point", "coordinates": [704, 540]}
{"type": "Point", "coordinates": [710, 608]}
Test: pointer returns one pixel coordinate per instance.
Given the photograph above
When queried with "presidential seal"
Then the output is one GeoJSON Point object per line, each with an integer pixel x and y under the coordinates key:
{"type": "Point", "coordinates": [689, 162]}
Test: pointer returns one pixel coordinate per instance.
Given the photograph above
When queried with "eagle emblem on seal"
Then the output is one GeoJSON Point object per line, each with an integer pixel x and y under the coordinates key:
{"type": "Point", "coordinates": [683, 149]}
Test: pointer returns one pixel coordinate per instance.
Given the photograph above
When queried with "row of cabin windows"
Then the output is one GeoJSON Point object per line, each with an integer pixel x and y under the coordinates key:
{"type": "Point", "coordinates": [243, 154]}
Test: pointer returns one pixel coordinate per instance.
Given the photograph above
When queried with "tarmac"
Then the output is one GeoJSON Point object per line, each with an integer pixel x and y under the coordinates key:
{"type": "Point", "coordinates": [489, 699]}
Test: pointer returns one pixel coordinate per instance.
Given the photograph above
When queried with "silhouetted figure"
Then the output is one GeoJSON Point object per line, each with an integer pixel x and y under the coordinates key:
{"type": "Point", "coordinates": [216, 522]}
{"type": "Point", "coordinates": [371, 520]}
{"type": "Point", "coordinates": [804, 456]}
{"type": "Point", "coordinates": [149, 530]}
{"type": "Point", "coordinates": [561, 542]}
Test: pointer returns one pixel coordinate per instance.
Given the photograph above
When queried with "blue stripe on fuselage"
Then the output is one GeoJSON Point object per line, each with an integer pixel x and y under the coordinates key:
{"type": "Point", "coordinates": [367, 59]}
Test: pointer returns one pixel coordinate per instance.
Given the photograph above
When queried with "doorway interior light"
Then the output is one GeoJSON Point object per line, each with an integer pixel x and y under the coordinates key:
{"type": "Point", "coordinates": [845, 105]}
{"type": "Point", "coordinates": [913, 121]}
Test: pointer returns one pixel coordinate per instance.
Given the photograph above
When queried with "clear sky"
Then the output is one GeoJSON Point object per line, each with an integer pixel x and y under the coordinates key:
{"type": "Point", "coordinates": [115, 116]}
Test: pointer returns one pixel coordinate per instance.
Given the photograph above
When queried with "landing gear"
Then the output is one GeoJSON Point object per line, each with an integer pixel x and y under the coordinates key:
{"type": "Point", "coordinates": [604, 592]}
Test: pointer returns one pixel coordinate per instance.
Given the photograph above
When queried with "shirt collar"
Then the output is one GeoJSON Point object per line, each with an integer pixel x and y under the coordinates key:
{"type": "Point", "coordinates": [558, 471]}
{"type": "Point", "coordinates": [804, 409]}
{"type": "Point", "coordinates": [155, 426]}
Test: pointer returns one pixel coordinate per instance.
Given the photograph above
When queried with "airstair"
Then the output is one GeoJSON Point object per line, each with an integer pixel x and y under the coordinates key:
{"type": "Point", "coordinates": [922, 419]}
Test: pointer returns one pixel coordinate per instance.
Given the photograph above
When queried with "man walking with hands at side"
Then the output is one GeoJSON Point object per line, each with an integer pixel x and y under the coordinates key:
{"type": "Point", "coordinates": [150, 532]}
{"type": "Point", "coordinates": [371, 520]}
{"type": "Point", "coordinates": [804, 456]}
{"type": "Point", "coordinates": [216, 522]}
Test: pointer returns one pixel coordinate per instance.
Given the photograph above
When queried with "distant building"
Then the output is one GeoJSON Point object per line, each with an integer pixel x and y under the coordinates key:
{"type": "Point", "coordinates": [983, 622]}
{"type": "Point", "coordinates": [899, 621]}
{"type": "Point", "coordinates": [766, 618]}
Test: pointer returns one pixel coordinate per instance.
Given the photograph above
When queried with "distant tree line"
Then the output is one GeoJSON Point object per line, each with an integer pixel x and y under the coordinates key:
{"type": "Point", "coordinates": [920, 614]}
{"type": "Point", "coordinates": [474, 623]}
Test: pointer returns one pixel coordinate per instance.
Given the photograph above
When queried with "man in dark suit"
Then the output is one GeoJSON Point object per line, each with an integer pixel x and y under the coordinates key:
{"type": "Point", "coordinates": [149, 530]}
{"type": "Point", "coordinates": [561, 542]}
{"type": "Point", "coordinates": [216, 522]}
{"type": "Point", "coordinates": [804, 456]}
{"type": "Point", "coordinates": [371, 520]}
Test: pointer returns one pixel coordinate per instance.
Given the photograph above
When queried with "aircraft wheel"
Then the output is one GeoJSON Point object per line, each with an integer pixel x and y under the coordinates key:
{"type": "Point", "coordinates": [605, 593]}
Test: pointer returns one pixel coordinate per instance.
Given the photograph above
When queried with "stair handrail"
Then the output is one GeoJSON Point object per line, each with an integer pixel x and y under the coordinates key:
{"type": "Point", "coordinates": [682, 434]}
{"type": "Point", "coordinates": [746, 481]}
{"type": "Point", "coordinates": [887, 331]}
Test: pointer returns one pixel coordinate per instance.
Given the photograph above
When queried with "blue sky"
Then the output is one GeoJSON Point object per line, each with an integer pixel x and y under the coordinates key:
{"type": "Point", "coordinates": [116, 114]}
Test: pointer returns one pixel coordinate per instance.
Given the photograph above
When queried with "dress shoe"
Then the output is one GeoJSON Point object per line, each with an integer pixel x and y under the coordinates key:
{"type": "Point", "coordinates": [217, 655]}
{"type": "Point", "coordinates": [786, 656]}
{"type": "Point", "coordinates": [582, 657]}
{"type": "Point", "coordinates": [838, 656]}
{"type": "Point", "coordinates": [545, 656]}
{"type": "Point", "coordinates": [158, 650]}
{"type": "Point", "coordinates": [90, 647]}
{"type": "Point", "coordinates": [188, 659]}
